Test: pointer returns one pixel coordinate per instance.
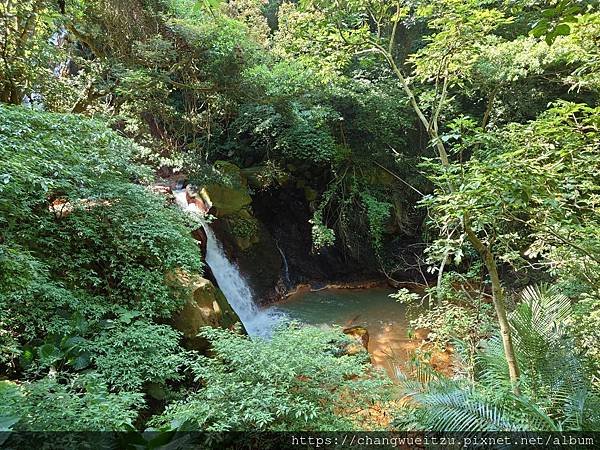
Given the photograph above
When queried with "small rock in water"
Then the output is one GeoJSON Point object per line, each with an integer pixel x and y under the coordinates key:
{"type": "Point", "coordinates": [360, 334]}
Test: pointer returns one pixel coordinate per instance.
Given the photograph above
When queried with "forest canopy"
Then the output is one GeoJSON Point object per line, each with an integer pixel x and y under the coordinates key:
{"type": "Point", "coordinates": [454, 144]}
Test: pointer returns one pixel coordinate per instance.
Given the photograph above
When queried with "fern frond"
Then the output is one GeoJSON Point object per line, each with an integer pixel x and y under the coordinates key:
{"type": "Point", "coordinates": [455, 406]}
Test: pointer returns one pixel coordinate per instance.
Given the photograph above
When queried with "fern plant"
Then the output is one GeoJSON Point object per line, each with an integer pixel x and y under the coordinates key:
{"type": "Point", "coordinates": [556, 393]}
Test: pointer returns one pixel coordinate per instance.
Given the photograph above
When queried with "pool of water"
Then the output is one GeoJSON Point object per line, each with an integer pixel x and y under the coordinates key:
{"type": "Point", "coordinates": [372, 308]}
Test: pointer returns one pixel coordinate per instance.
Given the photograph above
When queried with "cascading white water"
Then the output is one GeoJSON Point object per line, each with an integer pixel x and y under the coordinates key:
{"type": "Point", "coordinates": [230, 280]}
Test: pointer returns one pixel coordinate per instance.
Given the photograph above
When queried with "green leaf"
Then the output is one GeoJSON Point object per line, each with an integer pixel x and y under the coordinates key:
{"type": "Point", "coordinates": [81, 362]}
{"type": "Point", "coordinates": [563, 29]}
{"type": "Point", "coordinates": [540, 28]}
{"type": "Point", "coordinates": [49, 353]}
{"type": "Point", "coordinates": [73, 341]}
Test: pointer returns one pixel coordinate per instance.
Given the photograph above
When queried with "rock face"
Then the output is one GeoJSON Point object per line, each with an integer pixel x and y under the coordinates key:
{"type": "Point", "coordinates": [285, 212]}
{"type": "Point", "coordinates": [245, 239]}
{"type": "Point", "coordinates": [242, 228]}
{"type": "Point", "coordinates": [227, 199]}
{"type": "Point", "coordinates": [205, 306]}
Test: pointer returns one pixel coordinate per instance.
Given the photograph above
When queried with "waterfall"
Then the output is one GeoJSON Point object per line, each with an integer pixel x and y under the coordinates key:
{"type": "Point", "coordinates": [286, 268]}
{"type": "Point", "coordinates": [230, 280]}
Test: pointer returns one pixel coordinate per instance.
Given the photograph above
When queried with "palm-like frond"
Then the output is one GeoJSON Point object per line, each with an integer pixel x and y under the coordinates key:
{"type": "Point", "coordinates": [551, 369]}
{"type": "Point", "coordinates": [491, 366]}
{"type": "Point", "coordinates": [545, 308]}
{"type": "Point", "coordinates": [460, 408]}
{"type": "Point", "coordinates": [556, 394]}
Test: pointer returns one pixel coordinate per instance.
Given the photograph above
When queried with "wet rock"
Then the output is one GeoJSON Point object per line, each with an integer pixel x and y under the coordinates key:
{"type": "Point", "coordinates": [200, 236]}
{"type": "Point", "coordinates": [243, 228]}
{"type": "Point", "coordinates": [198, 198]}
{"type": "Point", "coordinates": [360, 336]}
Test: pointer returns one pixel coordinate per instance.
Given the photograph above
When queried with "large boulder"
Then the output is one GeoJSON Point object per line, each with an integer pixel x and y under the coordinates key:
{"type": "Point", "coordinates": [243, 229]}
{"type": "Point", "coordinates": [226, 200]}
{"type": "Point", "coordinates": [229, 197]}
{"type": "Point", "coordinates": [205, 306]}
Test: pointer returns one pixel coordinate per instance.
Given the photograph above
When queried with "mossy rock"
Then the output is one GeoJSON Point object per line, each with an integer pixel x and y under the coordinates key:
{"type": "Point", "coordinates": [243, 229]}
{"type": "Point", "coordinates": [225, 200]}
{"type": "Point", "coordinates": [231, 172]}
{"type": "Point", "coordinates": [205, 306]}
{"type": "Point", "coordinates": [310, 194]}
{"type": "Point", "coordinates": [230, 196]}
{"type": "Point", "coordinates": [263, 177]}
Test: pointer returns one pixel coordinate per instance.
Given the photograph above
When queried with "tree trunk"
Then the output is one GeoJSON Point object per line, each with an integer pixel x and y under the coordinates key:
{"type": "Point", "coordinates": [485, 252]}
{"type": "Point", "coordinates": [440, 276]}
{"type": "Point", "coordinates": [499, 305]}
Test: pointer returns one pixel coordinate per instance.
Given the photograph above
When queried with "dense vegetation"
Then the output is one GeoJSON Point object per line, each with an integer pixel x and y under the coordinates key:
{"type": "Point", "coordinates": [456, 139]}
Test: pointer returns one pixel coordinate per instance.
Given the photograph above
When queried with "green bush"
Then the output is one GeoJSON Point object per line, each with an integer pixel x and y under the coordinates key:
{"type": "Point", "coordinates": [128, 355]}
{"type": "Point", "coordinates": [298, 380]}
{"type": "Point", "coordinates": [79, 238]}
{"type": "Point", "coordinates": [79, 404]}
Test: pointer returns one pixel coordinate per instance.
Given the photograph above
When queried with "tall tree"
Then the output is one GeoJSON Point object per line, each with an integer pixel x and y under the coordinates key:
{"type": "Point", "coordinates": [459, 29]}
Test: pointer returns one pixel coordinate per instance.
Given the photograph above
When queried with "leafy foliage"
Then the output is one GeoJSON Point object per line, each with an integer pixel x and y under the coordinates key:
{"type": "Point", "coordinates": [67, 190]}
{"type": "Point", "coordinates": [556, 393]}
{"type": "Point", "coordinates": [295, 381]}
{"type": "Point", "coordinates": [84, 251]}
{"type": "Point", "coordinates": [130, 354]}
{"type": "Point", "coordinates": [79, 404]}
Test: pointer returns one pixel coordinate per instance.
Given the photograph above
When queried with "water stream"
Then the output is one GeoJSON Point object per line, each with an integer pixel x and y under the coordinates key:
{"type": "Point", "coordinates": [371, 308]}
{"type": "Point", "coordinates": [230, 280]}
{"type": "Point", "coordinates": [286, 269]}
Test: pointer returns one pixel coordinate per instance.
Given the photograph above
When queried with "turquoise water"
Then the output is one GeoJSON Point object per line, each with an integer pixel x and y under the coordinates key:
{"type": "Point", "coordinates": [384, 318]}
{"type": "Point", "coordinates": [346, 307]}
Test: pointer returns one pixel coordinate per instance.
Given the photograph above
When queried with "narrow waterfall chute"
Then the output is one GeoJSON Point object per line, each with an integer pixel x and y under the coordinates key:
{"type": "Point", "coordinates": [230, 280]}
{"type": "Point", "coordinates": [286, 268]}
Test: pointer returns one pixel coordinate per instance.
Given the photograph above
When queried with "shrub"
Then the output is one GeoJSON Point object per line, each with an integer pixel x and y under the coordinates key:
{"type": "Point", "coordinates": [79, 237]}
{"type": "Point", "coordinates": [79, 404]}
{"type": "Point", "coordinates": [131, 354]}
{"type": "Point", "coordinates": [299, 380]}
